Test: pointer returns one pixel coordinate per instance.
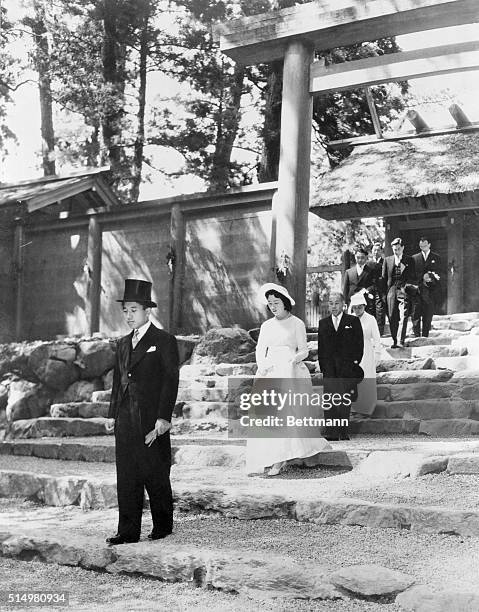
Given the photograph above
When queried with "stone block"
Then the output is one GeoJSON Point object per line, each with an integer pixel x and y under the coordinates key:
{"type": "Point", "coordinates": [62, 491]}
{"type": "Point", "coordinates": [421, 352]}
{"type": "Point", "coordinates": [423, 599]}
{"type": "Point", "coordinates": [224, 345]}
{"type": "Point", "coordinates": [371, 580]}
{"type": "Point", "coordinates": [201, 410]}
{"type": "Point", "coordinates": [449, 427]}
{"type": "Point", "coordinates": [463, 464]}
{"type": "Point", "coordinates": [81, 391]}
{"type": "Point", "coordinates": [388, 365]}
{"type": "Point", "coordinates": [230, 369]}
{"type": "Point", "coordinates": [385, 426]}
{"type": "Point", "coordinates": [101, 396]}
{"type": "Point", "coordinates": [26, 400]}
{"type": "Point", "coordinates": [88, 410]}
{"type": "Point", "coordinates": [64, 410]}
{"type": "Point", "coordinates": [414, 376]}
{"type": "Point", "coordinates": [108, 380]}
{"type": "Point", "coordinates": [95, 358]}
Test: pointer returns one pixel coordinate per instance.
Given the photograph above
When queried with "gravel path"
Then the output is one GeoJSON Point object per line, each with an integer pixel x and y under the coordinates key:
{"type": "Point", "coordinates": [459, 491]}
{"type": "Point", "coordinates": [105, 592]}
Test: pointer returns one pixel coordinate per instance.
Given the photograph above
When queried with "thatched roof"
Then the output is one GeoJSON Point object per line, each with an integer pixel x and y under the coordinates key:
{"type": "Point", "coordinates": [403, 169]}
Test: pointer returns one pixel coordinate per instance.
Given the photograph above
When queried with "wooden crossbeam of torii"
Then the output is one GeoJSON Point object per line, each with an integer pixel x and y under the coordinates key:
{"type": "Point", "coordinates": [294, 34]}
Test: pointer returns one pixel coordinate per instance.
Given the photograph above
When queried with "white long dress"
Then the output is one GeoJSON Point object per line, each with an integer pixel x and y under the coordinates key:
{"type": "Point", "coordinates": [280, 340]}
{"type": "Point", "coordinates": [367, 389]}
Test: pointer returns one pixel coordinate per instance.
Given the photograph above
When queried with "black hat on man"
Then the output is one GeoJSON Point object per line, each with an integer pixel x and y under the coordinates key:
{"type": "Point", "coordinates": [397, 241]}
{"type": "Point", "coordinates": [137, 290]}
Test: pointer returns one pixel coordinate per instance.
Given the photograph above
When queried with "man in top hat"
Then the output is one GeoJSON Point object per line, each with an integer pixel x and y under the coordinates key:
{"type": "Point", "coordinates": [427, 265]}
{"type": "Point", "coordinates": [145, 385]}
{"type": "Point", "coordinates": [399, 276]}
{"type": "Point", "coordinates": [340, 350]}
{"type": "Point", "coordinates": [378, 289]}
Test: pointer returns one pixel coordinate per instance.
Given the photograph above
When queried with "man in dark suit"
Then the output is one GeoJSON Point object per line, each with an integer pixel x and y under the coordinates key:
{"type": "Point", "coordinates": [427, 266]}
{"type": "Point", "coordinates": [145, 385]}
{"type": "Point", "coordinates": [340, 349]}
{"type": "Point", "coordinates": [378, 289]}
{"type": "Point", "coordinates": [360, 276]}
{"type": "Point", "coordinates": [400, 277]}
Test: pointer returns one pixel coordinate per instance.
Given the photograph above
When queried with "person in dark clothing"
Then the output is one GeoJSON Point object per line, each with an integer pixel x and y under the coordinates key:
{"type": "Point", "coordinates": [145, 385]}
{"type": "Point", "coordinates": [427, 265]}
{"type": "Point", "coordinates": [340, 349]}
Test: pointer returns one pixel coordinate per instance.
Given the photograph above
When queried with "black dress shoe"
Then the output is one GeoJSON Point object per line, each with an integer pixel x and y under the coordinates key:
{"type": "Point", "coordinates": [158, 535]}
{"type": "Point", "coordinates": [394, 345]}
{"type": "Point", "coordinates": [118, 539]}
{"type": "Point", "coordinates": [332, 438]}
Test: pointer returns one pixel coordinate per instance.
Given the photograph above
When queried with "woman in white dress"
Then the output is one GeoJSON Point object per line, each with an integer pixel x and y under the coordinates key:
{"type": "Point", "coordinates": [367, 389]}
{"type": "Point", "coordinates": [280, 351]}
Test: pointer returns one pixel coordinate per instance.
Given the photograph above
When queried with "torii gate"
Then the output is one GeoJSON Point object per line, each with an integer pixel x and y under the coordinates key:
{"type": "Point", "coordinates": [294, 34]}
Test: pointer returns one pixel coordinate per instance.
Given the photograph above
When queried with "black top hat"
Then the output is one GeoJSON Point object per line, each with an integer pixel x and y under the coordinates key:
{"type": "Point", "coordinates": [137, 291]}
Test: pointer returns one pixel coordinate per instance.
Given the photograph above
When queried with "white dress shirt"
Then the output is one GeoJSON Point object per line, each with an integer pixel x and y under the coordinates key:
{"type": "Point", "coordinates": [337, 320]}
{"type": "Point", "coordinates": [359, 269]}
{"type": "Point", "coordinates": [141, 332]}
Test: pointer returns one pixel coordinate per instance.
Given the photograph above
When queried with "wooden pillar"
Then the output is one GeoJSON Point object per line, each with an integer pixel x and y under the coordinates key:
{"type": "Point", "coordinates": [455, 261]}
{"type": "Point", "coordinates": [94, 268]}
{"type": "Point", "coordinates": [291, 203]}
{"type": "Point", "coordinates": [177, 250]}
{"type": "Point", "coordinates": [18, 243]}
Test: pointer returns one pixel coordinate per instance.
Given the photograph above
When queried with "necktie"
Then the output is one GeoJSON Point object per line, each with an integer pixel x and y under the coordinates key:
{"type": "Point", "coordinates": [136, 338]}
{"type": "Point", "coordinates": [335, 323]}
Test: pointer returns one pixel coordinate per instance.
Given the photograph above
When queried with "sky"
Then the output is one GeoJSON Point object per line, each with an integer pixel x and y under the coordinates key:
{"type": "Point", "coordinates": [22, 161]}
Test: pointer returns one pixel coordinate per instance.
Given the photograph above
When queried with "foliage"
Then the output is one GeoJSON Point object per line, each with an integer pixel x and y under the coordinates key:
{"type": "Point", "coordinates": [8, 75]}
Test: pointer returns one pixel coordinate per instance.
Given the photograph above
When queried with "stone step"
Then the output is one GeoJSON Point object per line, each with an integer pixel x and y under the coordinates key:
{"type": "Point", "coordinates": [388, 365]}
{"type": "Point", "coordinates": [437, 351]}
{"type": "Point", "coordinates": [470, 342]}
{"type": "Point", "coordinates": [449, 427]}
{"type": "Point", "coordinates": [426, 390]}
{"type": "Point", "coordinates": [462, 325]}
{"type": "Point", "coordinates": [200, 393]}
{"type": "Point", "coordinates": [229, 493]}
{"type": "Point", "coordinates": [427, 409]}
{"type": "Point", "coordinates": [468, 362]}
{"type": "Point", "coordinates": [195, 455]}
{"type": "Point", "coordinates": [385, 426]}
{"type": "Point", "coordinates": [413, 376]}
{"type": "Point", "coordinates": [84, 410]}
{"type": "Point", "coordinates": [204, 409]}
{"type": "Point", "coordinates": [463, 463]}
{"type": "Point", "coordinates": [101, 396]}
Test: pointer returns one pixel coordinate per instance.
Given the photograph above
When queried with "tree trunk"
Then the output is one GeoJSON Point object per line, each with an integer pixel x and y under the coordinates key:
{"type": "Point", "coordinates": [269, 164]}
{"type": "Point", "coordinates": [114, 84]}
{"type": "Point", "coordinates": [41, 61]}
{"type": "Point", "coordinates": [227, 128]}
{"type": "Point", "coordinates": [140, 130]}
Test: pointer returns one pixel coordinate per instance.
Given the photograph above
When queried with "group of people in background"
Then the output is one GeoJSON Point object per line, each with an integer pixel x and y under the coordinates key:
{"type": "Point", "coordinates": [349, 340]}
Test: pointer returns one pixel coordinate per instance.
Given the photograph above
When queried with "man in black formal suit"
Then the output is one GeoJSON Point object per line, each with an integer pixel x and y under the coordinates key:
{"type": "Point", "coordinates": [378, 289]}
{"type": "Point", "coordinates": [400, 277]}
{"type": "Point", "coordinates": [145, 385]}
{"type": "Point", "coordinates": [360, 276]}
{"type": "Point", "coordinates": [340, 349]}
{"type": "Point", "coordinates": [427, 266]}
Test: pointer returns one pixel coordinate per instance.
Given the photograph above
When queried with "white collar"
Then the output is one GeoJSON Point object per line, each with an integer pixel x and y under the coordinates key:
{"type": "Point", "coordinates": [142, 330]}
{"type": "Point", "coordinates": [397, 260]}
{"type": "Point", "coordinates": [359, 269]}
{"type": "Point", "coordinates": [425, 255]}
{"type": "Point", "coordinates": [338, 318]}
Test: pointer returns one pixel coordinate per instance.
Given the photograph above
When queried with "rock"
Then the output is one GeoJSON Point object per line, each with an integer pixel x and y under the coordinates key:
{"type": "Point", "coordinates": [64, 410]}
{"type": "Point", "coordinates": [463, 464]}
{"type": "Point", "coordinates": [198, 455]}
{"type": "Point", "coordinates": [57, 427]}
{"type": "Point", "coordinates": [313, 351]}
{"type": "Point", "coordinates": [95, 357]}
{"type": "Point", "coordinates": [88, 410]}
{"type": "Point", "coordinates": [61, 491]}
{"type": "Point", "coordinates": [371, 580]}
{"type": "Point", "coordinates": [99, 493]}
{"type": "Point", "coordinates": [59, 375]}
{"type": "Point", "coordinates": [14, 357]}
{"type": "Point", "coordinates": [81, 391]}
{"type": "Point", "coordinates": [254, 333]}
{"type": "Point", "coordinates": [186, 344]}
{"type": "Point", "coordinates": [386, 365]}
{"type": "Point", "coordinates": [414, 376]}
{"type": "Point", "coordinates": [229, 369]}
{"type": "Point", "coordinates": [50, 351]}
{"type": "Point", "coordinates": [422, 599]}
{"type": "Point", "coordinates": [461, 325]}
{"type": "Point", "coordinates": [108, 380]}
{"type": "Point", "coordinates": [224, 345]}
{"type": "Point", "coordinates": [101, 396]}
{"type": "Point", "coordinates": [422, 352]}
{"type": "Point", "coordinates": [449, 427]}
{"type": "Point", "coordinates": [3, 396]}
{"type": "Point", "coordinates": [26, 400]}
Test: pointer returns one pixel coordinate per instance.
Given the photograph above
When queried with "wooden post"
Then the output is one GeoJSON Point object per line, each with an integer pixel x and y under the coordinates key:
{"type": "Point", "coordinates": [177, 248]}
{"type": "Point", "coordinates": [291, 204]}
{"type": "Point", "coordinates": [18, 242]}
{"type": "Point", "coordinates": [94, 268]}
{"type": "Point", "coordinates": [391, 231]}
{"type": "Point", "coordinates": [455, 260]}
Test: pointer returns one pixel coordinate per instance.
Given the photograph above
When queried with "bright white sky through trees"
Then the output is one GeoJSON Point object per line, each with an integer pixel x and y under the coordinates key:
{"type": "Point", "coordinates": [23, 161]}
